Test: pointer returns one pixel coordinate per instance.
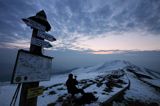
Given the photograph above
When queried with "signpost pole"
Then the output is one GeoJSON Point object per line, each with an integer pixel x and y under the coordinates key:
{"type": "Point", "coordinates": [25, 86]}
{"type": "Point", "coordinates": [37, 23]}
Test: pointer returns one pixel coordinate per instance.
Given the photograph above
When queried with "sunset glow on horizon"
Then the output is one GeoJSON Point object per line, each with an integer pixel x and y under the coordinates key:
{"type": "Point", "coordinates": [127, 41]}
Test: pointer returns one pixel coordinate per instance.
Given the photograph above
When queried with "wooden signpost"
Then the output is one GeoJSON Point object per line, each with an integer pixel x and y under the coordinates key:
{"type": "Point", "coordinates": [34, 24]}
{"type": "Point", "coordinates": [34, 92]}
{"type": "Point", "coordinates": [46, 36]}
{"type": "Point", "coordinates": [30, 88]}
{"type": "Point", "coordinates": [31, 67]}
{"type": "Point", "coordinates": [41, 43]}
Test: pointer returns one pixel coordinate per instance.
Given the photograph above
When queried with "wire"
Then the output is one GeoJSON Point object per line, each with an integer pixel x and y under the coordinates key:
{"type": "Point", "coordinates": [14, 98]}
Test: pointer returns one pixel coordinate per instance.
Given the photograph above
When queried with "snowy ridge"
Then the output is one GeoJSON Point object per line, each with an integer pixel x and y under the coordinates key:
{"type": "Point", "coordinates": [114, 65]}
{"type": "Point", "coordinates": [103, 68]}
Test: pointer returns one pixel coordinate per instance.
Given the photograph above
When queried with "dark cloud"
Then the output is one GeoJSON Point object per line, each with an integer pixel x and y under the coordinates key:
{"type": "Point", "coordinates": [86, 17]}
{"type": "Point", "coordinates": [96, 17]}
{"type": "Point", "coordinates": [146, 14]}
{"type": "Point", "coordinates": [11, 26]}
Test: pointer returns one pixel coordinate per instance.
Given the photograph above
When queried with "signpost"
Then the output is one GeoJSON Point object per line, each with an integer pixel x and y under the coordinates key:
{"type": "Point", "coordinates": [27, 63]}
{"type": "Point", "coordinates": [34, 24]}
{"type": "Point", "coordinates": [32, 67]}
{"type": "Point", "coordinates": [41, 43]}
{"type": "Point", "coordinates": [46, 36]}
{"type": "Point", "coordinates": [34, 92]}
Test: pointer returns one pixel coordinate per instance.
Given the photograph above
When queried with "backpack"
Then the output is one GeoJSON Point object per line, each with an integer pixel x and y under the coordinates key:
{"type": "Point", "coordinates": [86, 99]}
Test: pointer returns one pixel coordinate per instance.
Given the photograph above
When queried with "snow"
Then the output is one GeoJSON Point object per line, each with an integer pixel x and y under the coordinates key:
{"type": "Point", "coordinates": [6, 94]}
{"type": "Point", "coordinates": [102, 98]}
{"type": "Point", "coordinates": [100, 93]}
{"type": "Point", "coordinates": [141, 91]}
{"type": "Point", "coordinates": [105, 67]}
{"type": "Point", "coordinates": [114, 65]}
{"type": "Point", "coordinates": [55, 79]}
{"type": "Point", "coordinates": [56, 86]}
{"type": "Point", "coordinates": [155, 82]}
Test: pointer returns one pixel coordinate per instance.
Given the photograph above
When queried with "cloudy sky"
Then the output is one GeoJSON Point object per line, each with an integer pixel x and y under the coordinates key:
{"type": "Point", "coordinates": [89, 26]}
{"type": "Point", "coordinates": [85, 24]}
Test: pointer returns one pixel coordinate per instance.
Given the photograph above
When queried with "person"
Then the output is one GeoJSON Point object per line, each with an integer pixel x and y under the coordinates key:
{"type": "Point", "coordinates": [71, 85]}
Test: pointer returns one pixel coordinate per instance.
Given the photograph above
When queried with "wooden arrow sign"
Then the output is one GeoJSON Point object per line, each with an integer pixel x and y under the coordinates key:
{"type": "Point", "coordinates": [34, 24]}
{"type": "Point", "coordinates": [41, 43]}
{"type": "Point", "coordinates": [46, 36]}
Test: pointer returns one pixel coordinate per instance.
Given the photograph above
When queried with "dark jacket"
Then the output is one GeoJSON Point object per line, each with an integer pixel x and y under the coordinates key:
{"type": "Point", "coordinates": [71, 85]}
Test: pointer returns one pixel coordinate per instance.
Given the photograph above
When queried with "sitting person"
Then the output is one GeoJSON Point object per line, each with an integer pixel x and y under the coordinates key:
{"type": "Point", "coordinates": [71, 85]}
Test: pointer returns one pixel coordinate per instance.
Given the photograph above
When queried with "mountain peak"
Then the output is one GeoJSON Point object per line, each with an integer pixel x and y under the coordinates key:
{"type": "Point", "coordinates": [114, 65]}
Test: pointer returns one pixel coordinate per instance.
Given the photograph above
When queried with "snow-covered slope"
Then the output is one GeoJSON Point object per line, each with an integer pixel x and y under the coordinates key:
{"type": "Point", "coordinates": [144, 85]}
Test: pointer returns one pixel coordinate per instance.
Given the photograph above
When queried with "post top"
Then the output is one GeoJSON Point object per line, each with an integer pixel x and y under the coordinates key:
{"type": "Point", "coordinates": [41, 18]}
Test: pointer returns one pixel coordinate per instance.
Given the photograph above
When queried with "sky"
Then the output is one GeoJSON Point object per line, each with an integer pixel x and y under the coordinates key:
{"type": "Point", "coordinates": [95, 29]}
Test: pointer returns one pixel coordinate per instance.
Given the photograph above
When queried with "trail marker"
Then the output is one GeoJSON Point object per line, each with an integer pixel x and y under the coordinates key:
{"type": "Point", "coordinates": [46, 36]}
{"type": "Point", "coordinates": [34, 24]}
{"type": "Point", "coordinates": [41, 43]}
{"type": "Point", "coordinates": [36, 66]}
{"type": "Point", "coordinates": [31, 68]}
{"type": "Point", "coordinates": [34, 92]}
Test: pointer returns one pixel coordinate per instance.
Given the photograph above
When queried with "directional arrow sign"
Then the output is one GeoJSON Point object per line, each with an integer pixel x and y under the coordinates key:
{"type": "Point", "coordinates": [46, 36]}
{"type": "Point", "coordinates": [40, 43]}
{"type": "Point", "coordinates": [34, 24]}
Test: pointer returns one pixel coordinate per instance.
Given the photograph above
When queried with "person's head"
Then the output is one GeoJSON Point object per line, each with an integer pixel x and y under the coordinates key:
{"type": "Point", "coordinates": [70, 76]}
